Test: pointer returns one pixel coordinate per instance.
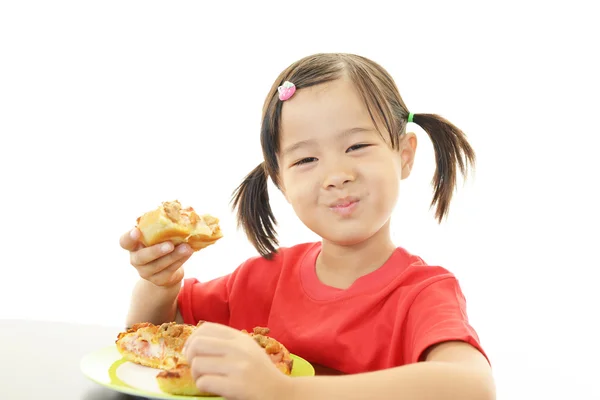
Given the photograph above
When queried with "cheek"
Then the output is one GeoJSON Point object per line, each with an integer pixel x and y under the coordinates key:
{"type": "Point", "coordinates": [392, 189]}
{"type": "Point", "coordinates": [300, 196]}
{"type": "Point", "coordinates": [385, 180]}
{"type": "Point", "coordinates": [299, 191]}
{"type": "Point", "coordinates": [303, 204]}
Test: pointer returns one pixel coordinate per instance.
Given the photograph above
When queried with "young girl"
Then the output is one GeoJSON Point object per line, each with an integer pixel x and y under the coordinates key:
{"type": "Point", "coordinates": [334, 142]}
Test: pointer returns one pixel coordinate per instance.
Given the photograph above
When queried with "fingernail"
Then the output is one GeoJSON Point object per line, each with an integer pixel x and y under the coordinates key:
{"type": "Point", "coordinates": [134, 234]}
{"type": "Point", "coordinates": [183, 249]}
{"type": "Point", "coordinates": [165, 248]}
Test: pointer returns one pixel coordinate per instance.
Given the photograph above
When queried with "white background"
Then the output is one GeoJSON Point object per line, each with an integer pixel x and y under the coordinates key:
{"type": "Point", "coordinates": [108, 108]}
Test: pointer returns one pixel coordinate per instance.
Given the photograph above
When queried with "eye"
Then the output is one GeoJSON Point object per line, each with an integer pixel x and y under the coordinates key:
{"type": "Point", "coordinates": [305, 161]}
{"type": "Point", "coordinates": [358, 146]}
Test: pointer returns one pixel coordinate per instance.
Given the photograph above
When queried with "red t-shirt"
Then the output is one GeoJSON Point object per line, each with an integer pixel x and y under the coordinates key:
{"type": "Point", "coordinates": [387, 318]}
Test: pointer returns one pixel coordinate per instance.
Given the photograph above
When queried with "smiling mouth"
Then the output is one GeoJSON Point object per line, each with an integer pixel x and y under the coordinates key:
{"type": "Point", "coordinates": [344, 202]}
{"type": "Point", "coordinates": [344, 206]}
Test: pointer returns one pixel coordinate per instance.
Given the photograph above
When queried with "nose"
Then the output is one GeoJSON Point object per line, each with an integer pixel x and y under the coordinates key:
{"type": "Point", "coordinates": [337, 178]}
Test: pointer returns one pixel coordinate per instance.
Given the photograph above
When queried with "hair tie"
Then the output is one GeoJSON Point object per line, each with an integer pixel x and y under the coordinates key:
{"type": "Point", "coordinates": [410, 117]}
{"type": "Point", "coordinates": [286, 90]}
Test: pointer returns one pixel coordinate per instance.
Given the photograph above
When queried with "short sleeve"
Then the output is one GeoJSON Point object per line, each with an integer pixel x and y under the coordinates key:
{"type": "Point", "coordinates": [205, 301]}
{"type": "Point", "coordinates": [438, 314]}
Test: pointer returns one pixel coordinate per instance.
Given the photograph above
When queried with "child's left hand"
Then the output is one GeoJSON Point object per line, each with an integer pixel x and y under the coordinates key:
{"type": "Point", "coordinates": [228, 362]}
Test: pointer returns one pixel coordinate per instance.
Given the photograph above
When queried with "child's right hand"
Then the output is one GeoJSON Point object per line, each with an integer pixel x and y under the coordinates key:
{"type": "Point", "coordinates": [161, 264]}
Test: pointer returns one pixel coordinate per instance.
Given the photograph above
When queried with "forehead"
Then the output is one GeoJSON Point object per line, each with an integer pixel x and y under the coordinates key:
{"type": "Point", "coordinates": [322, 110]}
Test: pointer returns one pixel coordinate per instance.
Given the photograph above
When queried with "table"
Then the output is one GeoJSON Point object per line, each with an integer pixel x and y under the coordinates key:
{"type": "Point", "coordinates": [40, 360]}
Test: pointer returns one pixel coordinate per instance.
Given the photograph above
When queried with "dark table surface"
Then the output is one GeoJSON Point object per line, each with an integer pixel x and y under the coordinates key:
{"type": "Point", "coordinates": [40, 360]}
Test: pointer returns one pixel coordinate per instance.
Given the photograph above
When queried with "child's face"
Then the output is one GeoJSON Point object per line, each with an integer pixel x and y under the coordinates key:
{"type": "Point", "coordinates": [340, 176]}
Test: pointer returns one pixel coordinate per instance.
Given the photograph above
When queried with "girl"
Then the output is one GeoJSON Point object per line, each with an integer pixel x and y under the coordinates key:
{"type": "Point", "coordinates": [334, 142]}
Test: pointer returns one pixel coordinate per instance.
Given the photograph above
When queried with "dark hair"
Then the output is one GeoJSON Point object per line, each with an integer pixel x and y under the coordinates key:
{"type": "Point", "coordinates": [385, 105]}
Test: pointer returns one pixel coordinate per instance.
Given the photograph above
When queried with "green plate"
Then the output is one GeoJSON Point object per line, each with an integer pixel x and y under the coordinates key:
{"type": "Point", "coordinates": [108, 368]}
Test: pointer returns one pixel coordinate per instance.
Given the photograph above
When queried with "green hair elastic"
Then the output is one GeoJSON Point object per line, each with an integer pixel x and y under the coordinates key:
{"type": "Point", "coordinates": [410, 117]}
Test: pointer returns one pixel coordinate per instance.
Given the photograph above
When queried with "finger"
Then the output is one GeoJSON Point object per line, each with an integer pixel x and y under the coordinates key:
{"type": "Point", "coordinates": [130, 240]}
{"type": "Point", "coordinates": [214, 365]}
{"type": "Point", "coordinates": [202, 346]}
{"type": "Point", "coordinates": [180, 255]}
{"type": "Point", "coordinates": [150, 254]}
{"type": "Point", "coordinates": [170, 275]}
{"type": "Point", "coordinates": [219, 385]}
{"type": "Point", "coordinates": [176, 277]}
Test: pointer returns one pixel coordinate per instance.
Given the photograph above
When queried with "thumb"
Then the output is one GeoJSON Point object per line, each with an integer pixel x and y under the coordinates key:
{"type": "Point", "coordinates": [131, 240]}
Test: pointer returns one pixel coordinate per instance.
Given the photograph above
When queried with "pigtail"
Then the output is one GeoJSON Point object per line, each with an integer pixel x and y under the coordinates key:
{"type": "Point", "coordinates": [254, 214]}
{"type": "Point", "coordinates": [451, 149]}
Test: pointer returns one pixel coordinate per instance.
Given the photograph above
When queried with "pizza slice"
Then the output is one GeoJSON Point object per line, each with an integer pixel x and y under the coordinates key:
{"type": "Point", "coordinates": [280, 356]}
{"type": "Point", "coordinates": [161, 347]}
{"type": "Point", "coordinates": [171, 222]}
{"type": "Point", "coordinates": [154, 346]}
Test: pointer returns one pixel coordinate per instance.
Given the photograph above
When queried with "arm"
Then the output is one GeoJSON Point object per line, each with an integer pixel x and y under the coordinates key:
{"type": "Point", "coordinates": [155, 304]}
{"type": "Point", "coordinates": [452, 370]}
{"type": "Point", "coordinates": [439, 362]}
{"type": "Point", "coordinates": [181, 302]}
{"type": "Point", "coordinates": [154, 297]}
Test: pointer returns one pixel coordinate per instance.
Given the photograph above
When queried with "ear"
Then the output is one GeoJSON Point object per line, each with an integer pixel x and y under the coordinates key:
{"type": "Point", "coordinates": [408, 148]}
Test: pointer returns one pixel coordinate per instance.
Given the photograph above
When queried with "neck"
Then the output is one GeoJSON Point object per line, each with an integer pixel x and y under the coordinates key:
{"type": "Point", "coordinates": [340, 265]}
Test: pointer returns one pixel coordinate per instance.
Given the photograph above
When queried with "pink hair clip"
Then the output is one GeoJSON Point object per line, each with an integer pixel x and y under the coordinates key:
{"type": "Point", "coordinates": [286, 90]}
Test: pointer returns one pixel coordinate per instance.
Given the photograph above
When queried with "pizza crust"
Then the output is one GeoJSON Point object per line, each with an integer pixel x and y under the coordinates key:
{"type": "Point", "coordinates": [178, 381]}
